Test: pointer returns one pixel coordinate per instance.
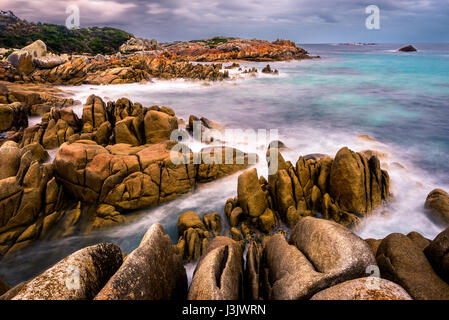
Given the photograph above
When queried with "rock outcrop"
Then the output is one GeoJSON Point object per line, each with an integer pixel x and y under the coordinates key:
{"type": "Point", "coordinates": [29, 195]}
{"type": "Point", "coordinates": [343, 189]}
{"type": "Point", "coordinates": [437, 203]}
{"type": "Point", "coordinates": [153, 271]}
{"type": "Point", "coordinates": [129, 177]}
{"type": "Point", "coordinates": [79, 276]}
{"type": "Point", "coordinates": [36, 99]}
{"type": "Point", "coordinates": [225, 49]}
{"type": "Point", "coordinates": [143, 59]}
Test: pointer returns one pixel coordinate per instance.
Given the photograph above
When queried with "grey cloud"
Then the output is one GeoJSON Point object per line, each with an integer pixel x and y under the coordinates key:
{"type": "Point", "coordinates": [301, 20]}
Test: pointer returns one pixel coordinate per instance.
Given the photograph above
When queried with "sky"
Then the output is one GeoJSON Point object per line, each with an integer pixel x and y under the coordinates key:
{"type": "Point", "coordinates": [303, 21]}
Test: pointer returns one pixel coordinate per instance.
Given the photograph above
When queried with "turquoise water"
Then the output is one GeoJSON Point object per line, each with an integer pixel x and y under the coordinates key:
{"type": "Point", "coordinates": [318, 106]}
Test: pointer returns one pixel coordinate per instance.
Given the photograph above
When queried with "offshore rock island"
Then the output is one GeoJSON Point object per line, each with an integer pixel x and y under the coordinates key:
{"type": "Point", "coordinates": [288, 235]}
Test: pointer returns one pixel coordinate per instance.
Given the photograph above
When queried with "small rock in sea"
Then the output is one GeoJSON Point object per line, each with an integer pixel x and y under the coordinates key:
{"type": "Point", "coordinates": [267, 69]}
{"type": "Point", "coordinates": [366, 137]}
{"type": "Point", "coordinates": [408, 48]}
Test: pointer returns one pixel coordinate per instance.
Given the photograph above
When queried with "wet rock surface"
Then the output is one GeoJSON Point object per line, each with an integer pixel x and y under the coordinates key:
{"type": "Point", "coordinates": [78, 277]}
{"type": "Point", "coordinates": [153, 271]}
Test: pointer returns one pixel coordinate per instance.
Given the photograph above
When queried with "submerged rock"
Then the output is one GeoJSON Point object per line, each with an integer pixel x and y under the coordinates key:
{"type": "Point", "coordinates": [364, 289]}
{"type": "Point", "coordinates": [153, 271]}
{"type": "Point", "coordinates": [77, 277]}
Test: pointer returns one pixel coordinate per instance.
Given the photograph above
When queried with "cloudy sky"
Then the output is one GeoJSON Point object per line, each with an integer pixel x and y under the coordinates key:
{"type": "Point", "coordinates": [304, 21]}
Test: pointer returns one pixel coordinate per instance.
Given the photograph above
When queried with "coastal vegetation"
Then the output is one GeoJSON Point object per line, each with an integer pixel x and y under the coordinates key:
{"type": "Point", "coordinates": [17, 33]}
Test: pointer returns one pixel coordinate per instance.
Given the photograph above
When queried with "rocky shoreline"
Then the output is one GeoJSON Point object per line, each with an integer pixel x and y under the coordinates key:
{"type": "Point", "coordinates": [285, 236]}
{"type": "Point", "coordinates": [138, 61]}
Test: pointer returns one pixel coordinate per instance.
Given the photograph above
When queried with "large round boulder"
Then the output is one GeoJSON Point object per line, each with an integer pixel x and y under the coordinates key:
{"type": "Point", "coordinates": [402, 261]}
{"type": "Point", "coordinates": [437, 203]}
{"type": "Point", "coordinates": [22, 61]}
{"type": "Point", "coordinates": [321, 254]}
{"type": "Point", "coordinates": [369, 288]}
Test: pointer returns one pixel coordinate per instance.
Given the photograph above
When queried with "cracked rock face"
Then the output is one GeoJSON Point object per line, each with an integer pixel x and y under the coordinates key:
{"type": "Point", "coordinates": [28, 194]}
{"type": "Point", "coordinates": [131, 177]}
{"type": "Point", "coordinates": [153, 271]}
{"type": "Point", "coordinates": [321, 254]}
{"type": "Point", "coordinates": [79, 276]}
{"type": "Point", "coordinates": [219, 273]}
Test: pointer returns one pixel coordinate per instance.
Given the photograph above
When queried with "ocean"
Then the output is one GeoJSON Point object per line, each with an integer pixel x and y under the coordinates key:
{"type": "Point", "coordinates": [401, 100]}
